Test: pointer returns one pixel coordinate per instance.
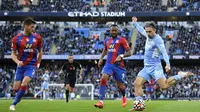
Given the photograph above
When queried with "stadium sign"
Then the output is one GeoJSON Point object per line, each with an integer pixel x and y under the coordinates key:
{"type": "Point", "coordinates": [96, 14]}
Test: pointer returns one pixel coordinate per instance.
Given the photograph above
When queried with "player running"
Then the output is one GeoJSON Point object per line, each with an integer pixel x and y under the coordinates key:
{"type": "Point", "coordinates": [69, 69]}
{"type": "Point", "coordinates": [44, 86]}
{"type": "Point", "coordinates": [154, 48]}
{"type": "Point", "coordinates": [29, 48]}
{"type": "Point", "coordinates": [116, 48]}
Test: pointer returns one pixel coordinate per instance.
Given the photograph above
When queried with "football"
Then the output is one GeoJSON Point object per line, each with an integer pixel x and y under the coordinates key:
{"type": "Point", "coordinates": [139, 105]}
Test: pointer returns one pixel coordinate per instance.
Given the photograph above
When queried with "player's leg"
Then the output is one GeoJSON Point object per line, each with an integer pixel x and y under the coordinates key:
{"type": "Point", "coordinates": [40, 91]}
{"type": "Point", "coordinates": [166, 83]}
{"type": "Point", "coordinates": [71, 86]}
{"type": "Point", "coordinates": [47, 92]}
{"type": "Point", "coordinates": [28, 71]}
{"type": "Point", "coordinates": [120, 75]}
{"type": "Point", "coordinates": [16, 86]}
{"type": "Point", "coordinates": [138, 84]}
{"type": "Point", "coordinates": [67, 87]}
{"type": "Point", "coordinates": [147, 93]}
{"type": "Point", "coordinates": [142, 77]}
{"type": "Point", "coordinates": [17, 83]}
{"type": "Point", "coordinates": [107, 71]}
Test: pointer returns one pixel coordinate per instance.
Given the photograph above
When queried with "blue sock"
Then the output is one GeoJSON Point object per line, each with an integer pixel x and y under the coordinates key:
{"type": "Point", "coordinates": [147, 96]}
{"type": "Point", "coordinates": [102, 92]}
{"type": "Point", "coordinates": [151, 95]}
{"type": "Point", "coordinates": [138, 98]}
{"type": "Point", "coordinates": [47, 94]}
{"type": "Point", "coordinates": [102, 88]}
{"type": "Point", "coordinates": [19, 95]}
{"type": "Point", "coordinates": [177, 77]}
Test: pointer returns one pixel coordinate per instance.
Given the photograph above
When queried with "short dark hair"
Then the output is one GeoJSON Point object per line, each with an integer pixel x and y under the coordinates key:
{"type": "Point", "coordinates": [114, 25]}
{"type": "Point", "coordinates": [70, 55]}
{"type": "Point", "coordinates": [29, 21]}
{"type": "Point", "coordinates": [151, 24]}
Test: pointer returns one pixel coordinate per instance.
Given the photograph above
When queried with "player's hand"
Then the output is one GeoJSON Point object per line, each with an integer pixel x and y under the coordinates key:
{"type": "Point", "coordinates": [167, 68]}
{"type": "Point", "coordinates": [119, 58]}
{"type": "Point", "coordinates": [100, 62]}
{"type": "Point", "coordinates": [20, 63]}
{"type": "Point", "coordinates": [134, 19]}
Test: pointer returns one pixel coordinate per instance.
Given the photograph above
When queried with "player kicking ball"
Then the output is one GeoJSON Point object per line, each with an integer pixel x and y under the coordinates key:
{"type": "Point", "coordinates": [116, 48]}
{"type": "Point", "coordinates": [154, 48]}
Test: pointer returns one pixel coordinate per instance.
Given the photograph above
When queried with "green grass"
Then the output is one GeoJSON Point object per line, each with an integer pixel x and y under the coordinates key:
{"type": "Point", "coordinates": [109, 106]}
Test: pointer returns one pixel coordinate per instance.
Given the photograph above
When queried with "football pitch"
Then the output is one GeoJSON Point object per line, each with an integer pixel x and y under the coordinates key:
{"type": "Point", "coordinates": [109, 106]}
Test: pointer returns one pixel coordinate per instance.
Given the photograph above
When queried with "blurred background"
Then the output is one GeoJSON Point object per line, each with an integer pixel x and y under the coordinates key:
{"type": "Point", "coordinates": [79, 27]}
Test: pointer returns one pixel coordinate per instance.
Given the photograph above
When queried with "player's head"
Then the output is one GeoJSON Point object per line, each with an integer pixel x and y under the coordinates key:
{"type": "Point", "coordinates": [29, 25]}
{"type": "Point", "coordinates": [46, 71]}
{"type": "Point", "coordinates": [150, 28]}
{"type": "Point", "coordinates": [70, 58]}
{"type": "Point", "coordinates": [114, 30]}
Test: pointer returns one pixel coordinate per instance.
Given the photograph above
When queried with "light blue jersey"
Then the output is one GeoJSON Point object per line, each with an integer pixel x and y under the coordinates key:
{"type": "Point", "coordinates": [45, 84]}
{"type": "Point", "coordinates": [154, 48]}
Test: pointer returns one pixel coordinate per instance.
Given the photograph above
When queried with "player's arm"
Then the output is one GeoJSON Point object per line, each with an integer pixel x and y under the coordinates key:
{"type": "Point", "coordinates": [104, 53]}
{"type": "Point", "coordinates": [39, 57]}
{"type": "Point", "coordinates": [62, 69]}
{"type": "Point", "coordinates": [161, 46]}
{"type": "Point", "coordinates": [13, 54]}
{"type": "Point", "coordinates": [127, 48]}
{"type": "Point", "coordinates": [81, 70]}
{"type": "Point", "coordinates": [138, 27]}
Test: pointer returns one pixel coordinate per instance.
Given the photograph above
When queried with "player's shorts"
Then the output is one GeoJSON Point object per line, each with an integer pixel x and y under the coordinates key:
{"type": "Point", "coordinates": [71, 80]}
{"type": "Point", "coordinates": [45, 86]}
{"type": "Point", "coordinates": [23, 71]}
{"type": "Point", "coordinates": [149, 89]}
{"type": "Point", "coordinates": [118, 73]}
{"type": "Point", "coordinates": [149, 72]}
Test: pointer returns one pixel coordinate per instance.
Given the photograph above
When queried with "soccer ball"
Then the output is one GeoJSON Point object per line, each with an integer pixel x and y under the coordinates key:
{"type": "Point", "coordinates": [139, 105]}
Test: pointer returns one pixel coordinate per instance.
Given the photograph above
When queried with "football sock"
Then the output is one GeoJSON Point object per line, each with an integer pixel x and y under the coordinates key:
{"type": "Point", "coordinates": [122, 90]}
{"type": "Point", "coordinates": [138, 98]}
{"type": "Point", "coordinates": [67, 95]}
{"type": "Point", "coordinates": [19, 95]}
{"type": "Point", "coordinates": [102, 88]}
{"type": "Point", "coordinates": [177, 77]}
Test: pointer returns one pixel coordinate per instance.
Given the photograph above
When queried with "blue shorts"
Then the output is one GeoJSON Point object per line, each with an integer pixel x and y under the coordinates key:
{"type": "Point", "coordinates": [45, 85]}
{"type": "Point", "coordinates": [149, 89]}
{"type": "Point", "coordinates": [149, 72]}
{"type": "Point", "coordinates": [21, 72]}
{"type": "Point", "coordinates": [118, 73]}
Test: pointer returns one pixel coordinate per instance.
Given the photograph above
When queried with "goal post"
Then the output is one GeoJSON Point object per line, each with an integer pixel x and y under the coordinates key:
{"type": "Point", "coordinates": [79, 87]}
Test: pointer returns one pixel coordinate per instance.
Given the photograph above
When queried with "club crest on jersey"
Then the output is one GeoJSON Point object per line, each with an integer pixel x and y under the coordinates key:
{"type": "Point", "coordinates": [27, 39]}
{"type": "Point", "coordinates": [117, 41]}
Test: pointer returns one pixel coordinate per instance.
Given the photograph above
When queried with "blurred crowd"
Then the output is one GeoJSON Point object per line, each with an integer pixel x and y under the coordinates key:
{"type": "Point", "coordinates": [182, 39]}
{"type": "Point", "coordinates": [86, 5]}
{"type": "Point", "coordinates": [136, 5]}
{"type": "Point", "coordinates": [189, 87]}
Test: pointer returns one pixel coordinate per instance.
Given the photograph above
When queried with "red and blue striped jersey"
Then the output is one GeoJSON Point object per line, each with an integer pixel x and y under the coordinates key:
{"type": "Point", "coordinates": [115, 47]}
{"type": "Point", "coordinates": [27, 48]}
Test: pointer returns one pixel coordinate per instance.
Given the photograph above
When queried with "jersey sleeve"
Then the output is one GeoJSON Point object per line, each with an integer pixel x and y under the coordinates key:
{"type": "Point", "coordinates": [160, 44]}
{"type": "Point", "coordinates": [64, 67]}
{"type": "Point", "coordinates": [140, 29]}
{"type": "Point", "coordinates": [14, 44]}
{"type": "Point", "coordinates": [125, 44]}
{"type": "Point", "coordinates": [78, 65]}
